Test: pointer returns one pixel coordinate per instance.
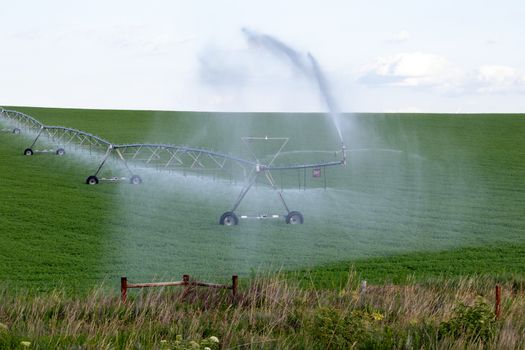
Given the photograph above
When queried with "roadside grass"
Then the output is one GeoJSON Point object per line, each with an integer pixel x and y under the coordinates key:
{"type": "Point", "coordinates": [270, 312]}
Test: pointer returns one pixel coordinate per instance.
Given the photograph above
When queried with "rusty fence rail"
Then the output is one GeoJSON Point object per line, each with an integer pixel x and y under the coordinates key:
{"type": "Point", "coordinates": [124, 285]}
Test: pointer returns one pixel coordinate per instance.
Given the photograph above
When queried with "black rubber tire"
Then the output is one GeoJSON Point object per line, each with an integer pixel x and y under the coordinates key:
{"type": "Point", "coordinates": [16, 131]}
{"type": "Point", "coordinates": [92, 180]}
{"type": "Point", "coordinates": [60, 152]}
{"type": "Point", "coordinates": [294, 218]}
{"type": "Point", "coordinates": [229, 219]}
{"type": "Point", "coordinates": [28, 152]}
{"type": "Point", "coordinates": [135, 180]}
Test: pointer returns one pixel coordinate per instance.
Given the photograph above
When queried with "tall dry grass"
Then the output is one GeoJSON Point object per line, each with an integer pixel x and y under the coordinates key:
{"type": "Point", "coordinates": [270, 312]}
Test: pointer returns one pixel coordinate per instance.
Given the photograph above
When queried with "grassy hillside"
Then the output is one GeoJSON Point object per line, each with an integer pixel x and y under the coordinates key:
{"type": "Point", "coordinates": [501, 262]}
{"type": "Point", "coordinates": [434, 188]}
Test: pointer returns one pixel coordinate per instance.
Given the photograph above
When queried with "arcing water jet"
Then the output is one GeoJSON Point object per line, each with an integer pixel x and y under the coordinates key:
{"type": "Point", "coordinates": [310, 68]}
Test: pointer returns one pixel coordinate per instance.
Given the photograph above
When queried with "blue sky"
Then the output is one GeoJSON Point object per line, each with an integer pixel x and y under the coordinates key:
{"type": "Point", "coordinates": [380, 56]}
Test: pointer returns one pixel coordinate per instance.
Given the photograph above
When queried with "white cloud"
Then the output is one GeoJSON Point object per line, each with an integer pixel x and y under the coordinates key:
{"type": "Point", "coordinates": [399, 37]}
{"type": "Point", "coordinates": [498, 79]}
{"type": "Point", "coordinates": [424, 70]}
{"type": "Point", "coordinates": [414, 69]}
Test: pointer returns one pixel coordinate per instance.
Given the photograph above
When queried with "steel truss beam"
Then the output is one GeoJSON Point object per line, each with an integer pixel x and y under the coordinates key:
{"type": "Point", "coordinates": [170, 157]}
{"type": "Point", "coordinates": [64, 137]}
{"type": "Point", "coordinates": [20, 120]}
{"type": "Point", "coordinates": [173, 157]}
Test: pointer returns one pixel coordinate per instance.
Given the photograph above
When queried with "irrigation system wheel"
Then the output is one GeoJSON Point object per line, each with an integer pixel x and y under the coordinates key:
{"type": "Point", "coordinates": [135, 180]}
{"type": "Point", "coordinates": [294, 218]}
{"type": "Point", "coordinates": [229, 219]}
{"type": "Point", "coordinates": [16, 131]}
{"type": "Point", "coordinates": [28, 152]}
{"type": "Point", "coordinates": [60, 152]}
{"type": "Point", "coordinates": [92, 180]}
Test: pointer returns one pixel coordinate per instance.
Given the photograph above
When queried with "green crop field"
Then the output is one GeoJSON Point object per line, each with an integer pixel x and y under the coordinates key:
{"type": "Point", "coordinates": [422, 195]}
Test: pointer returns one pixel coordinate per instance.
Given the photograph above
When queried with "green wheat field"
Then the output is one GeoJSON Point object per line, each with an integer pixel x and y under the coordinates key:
{"type": "Point", "coordinates": [422, 196]}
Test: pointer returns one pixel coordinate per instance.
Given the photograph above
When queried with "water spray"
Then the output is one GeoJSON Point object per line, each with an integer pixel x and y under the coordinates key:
{"type": "Point", "coordinates": [168, 156]}
{"type": "Point", "coordinates": [309, 67]}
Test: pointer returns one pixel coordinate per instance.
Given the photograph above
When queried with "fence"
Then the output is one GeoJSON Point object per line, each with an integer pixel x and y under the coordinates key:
{"type": "Point", "coordinates": [124, 285]}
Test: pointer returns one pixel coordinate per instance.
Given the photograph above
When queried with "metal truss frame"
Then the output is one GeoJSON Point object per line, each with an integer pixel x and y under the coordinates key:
{"type": "Point", "coordinates": [67, 137]}
{"type": "Point", "coordinates": [170, 157]}
{"type": "Point", "coordinates": [173, 157]}
{"type": "Point", "coordinates": [19, 120]}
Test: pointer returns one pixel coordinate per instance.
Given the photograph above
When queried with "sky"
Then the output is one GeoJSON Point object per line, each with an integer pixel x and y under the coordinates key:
{"type": "Point", "coordinates": [378, 55]}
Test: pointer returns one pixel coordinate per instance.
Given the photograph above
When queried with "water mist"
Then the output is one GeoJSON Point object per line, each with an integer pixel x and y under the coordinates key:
{"type": "Point", "coordinates": [307, 64]}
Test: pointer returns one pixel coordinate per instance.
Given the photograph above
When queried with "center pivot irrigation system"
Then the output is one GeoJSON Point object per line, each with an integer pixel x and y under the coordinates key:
{"type": "Point", "coordinates": [167, 157]}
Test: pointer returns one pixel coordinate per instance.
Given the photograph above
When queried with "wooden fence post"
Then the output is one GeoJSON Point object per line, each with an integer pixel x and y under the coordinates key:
{"type": "Point", "coordinates": [123, 288]}
{"type": "Point", "coordinates": [186, 284]}
{"type": "Point", "coordinates": [235, 283]}
{"type": "Point", "coordinates": [497, 307]}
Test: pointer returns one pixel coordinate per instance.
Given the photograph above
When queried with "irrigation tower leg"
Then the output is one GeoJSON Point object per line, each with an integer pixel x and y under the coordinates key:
{"type": "Point", "coordinates": [249, 185]}
{"type": "Point", "coordinates": [271, 180]}
{"type": "Point", "coordinates": [124, 160]}
{"type": "Point", "coordinates": [104, 160]}
{"type": "Point", "coordinates": [37, 137]}
{"type": "Point", "coordinates": [244, 191]}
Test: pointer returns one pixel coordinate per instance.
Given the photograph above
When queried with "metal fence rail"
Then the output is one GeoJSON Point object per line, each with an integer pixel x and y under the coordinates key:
{"type": "Point", "coordinates": [186, 282]}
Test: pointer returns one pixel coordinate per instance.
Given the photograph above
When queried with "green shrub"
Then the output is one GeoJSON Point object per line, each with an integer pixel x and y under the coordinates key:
{"type": "Point", "coordinates": [336, 330]}
{"type": "Point", "coordinates": [475, 323]}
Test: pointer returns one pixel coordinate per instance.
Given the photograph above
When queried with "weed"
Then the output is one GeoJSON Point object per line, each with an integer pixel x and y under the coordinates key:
{"type": "Point", "coordinates": [474, 323]}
